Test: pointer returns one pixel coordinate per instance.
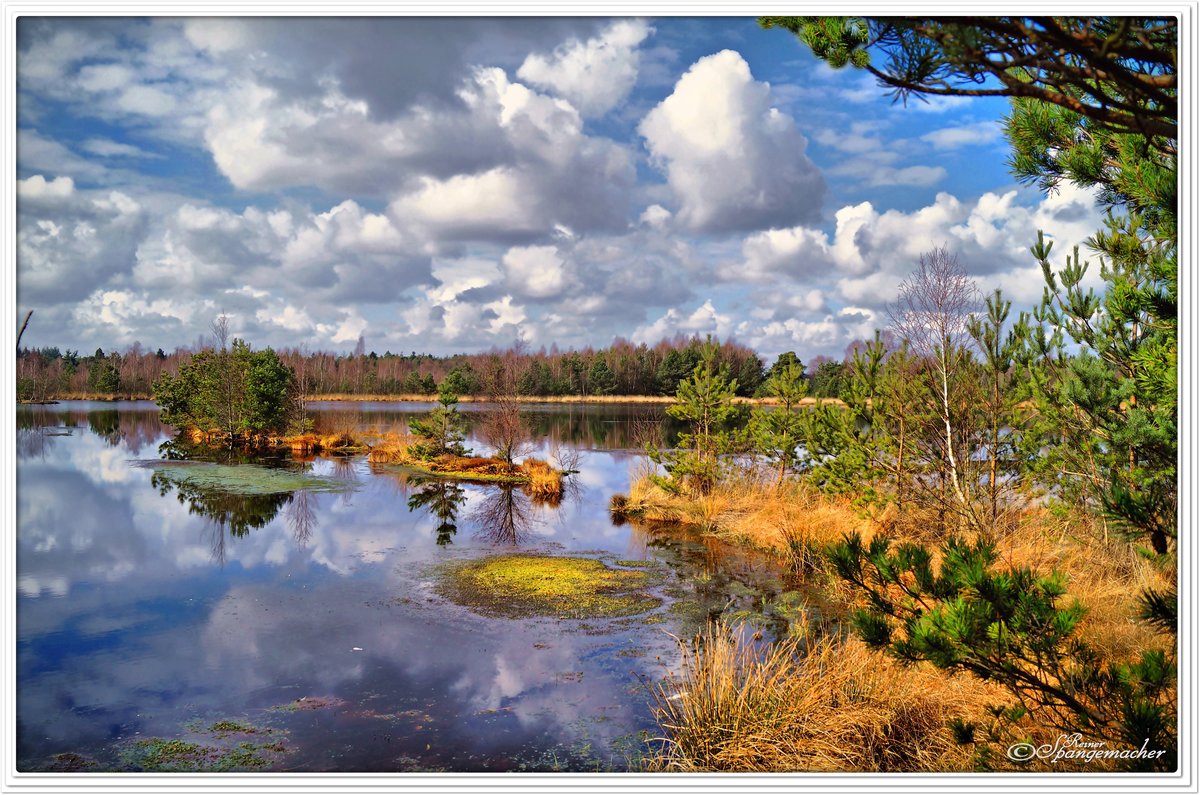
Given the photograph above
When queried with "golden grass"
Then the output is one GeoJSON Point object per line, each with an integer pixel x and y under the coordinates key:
{"type": "Point", "coordinates": [792, 711]}
{"type": "Point", "coordinates": [795, 522]}
{"type": "Point", "coordinates": [809, 704]}
{"type": "Point", "coordinates": [778, 519]}
{"type": "Point", "coordinates": [545, 482]}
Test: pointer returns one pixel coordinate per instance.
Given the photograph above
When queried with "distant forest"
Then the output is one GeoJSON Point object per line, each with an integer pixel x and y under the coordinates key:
{"type": "Point", "coordinates": [622, 368]}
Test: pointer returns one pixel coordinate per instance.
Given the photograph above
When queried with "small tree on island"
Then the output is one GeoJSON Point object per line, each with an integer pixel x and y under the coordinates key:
{"type": "Point", "coordinates": [441, 433]}
{"type": "Point", "coordinates": [238, 394]}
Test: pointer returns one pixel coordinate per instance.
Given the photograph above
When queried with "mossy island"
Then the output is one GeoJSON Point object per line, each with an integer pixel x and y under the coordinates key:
{"type": "Point", "coordinates": [527, 586]}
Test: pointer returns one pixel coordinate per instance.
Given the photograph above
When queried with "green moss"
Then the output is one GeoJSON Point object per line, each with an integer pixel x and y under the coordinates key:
{"type": "Point", "coordinates": [243, 479]}
{"type": "Point", "coordinates": [517, 586]}
{"type": "Point", "coordinates": [225, 727]}
{"type": "Point", "coordinates": [158, 754]}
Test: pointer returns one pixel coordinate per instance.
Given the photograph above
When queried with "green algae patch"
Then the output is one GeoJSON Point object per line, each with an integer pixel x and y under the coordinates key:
{"type": "Point", "coordinates": [182, 756]}
{"type": "Point", "coordinates": [242, 479]}
{"type": "Point", "coordinates": [521, 586]}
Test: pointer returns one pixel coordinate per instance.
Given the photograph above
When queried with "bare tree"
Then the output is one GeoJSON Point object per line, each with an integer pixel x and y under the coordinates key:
{"type": "Point", "coordinates": [503, 428]}
{"type": "Point", "coordinates": [933, 311]}
{"type": "Point", "coordinates": [220, 331]}
{"type": "Point", "coordinates": [21, 333]}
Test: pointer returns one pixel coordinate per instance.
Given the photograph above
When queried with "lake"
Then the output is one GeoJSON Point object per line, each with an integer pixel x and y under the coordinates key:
{"type": "Point", "coordinates": [169, 620]}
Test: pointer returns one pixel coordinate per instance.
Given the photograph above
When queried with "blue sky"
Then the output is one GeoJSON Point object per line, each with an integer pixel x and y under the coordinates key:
{"type": "Point", "coordinates": [448, 185]}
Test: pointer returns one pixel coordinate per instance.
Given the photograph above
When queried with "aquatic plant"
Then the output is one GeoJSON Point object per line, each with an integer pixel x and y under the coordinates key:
{"type": "Point", "coordinates": [518, 586]}
{"type": "Point", "coordinates": [243, 479]}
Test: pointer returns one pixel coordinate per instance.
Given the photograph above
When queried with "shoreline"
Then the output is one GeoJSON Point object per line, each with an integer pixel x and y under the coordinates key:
{"type": "Point", "coordinates": [409, 398]}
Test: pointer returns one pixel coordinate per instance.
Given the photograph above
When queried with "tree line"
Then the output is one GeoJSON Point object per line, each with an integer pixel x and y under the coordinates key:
{"type": "Point", "coordinates": [622, 368]}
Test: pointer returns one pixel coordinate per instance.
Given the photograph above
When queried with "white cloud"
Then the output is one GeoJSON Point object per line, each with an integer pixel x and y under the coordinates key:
{"type": "Point", "coordinates": [108, 148]}
{"type": "Point", "coordinates": [350, 328]}
{"type": "Point", "coordinates": [655, 215]}
{"type": "Point", "coordinates": [105, 77]}
{"type": "Point", "coordinates": [38, 187]}
{"type": "Point", "coordinates": [594, 75]}
{"type": "Point", "coordinates": [732, 160]}
{"type": "Point", "coordinates": [69, 240]}
{"type": "Point", "coordinates": [557, 176]}
{"type": "Point", "coordinates": [705, 319]}
{"type": "Point", "coordinates": [984, 132]}
{"type": "Point", "coordinates": [535, 271]}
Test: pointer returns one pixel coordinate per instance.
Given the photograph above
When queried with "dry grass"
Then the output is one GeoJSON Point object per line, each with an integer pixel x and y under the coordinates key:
{"type": "Point", "coordinates": [1107, 575]}
{"type": "Point", "coordinates": [787, 520]}
{"type": "Point", "coordinates": [545, 482]}
{"type": "Point", "coordinates": [809, 704]}
{"type": "Point", "coordinates": [390, 448]}
{"type": "Point", "coordinates": [102, 397]}
{"type": "Point", "coordinates": [795, 522]}
{"type": "Point", "coordinates": [793, 711]}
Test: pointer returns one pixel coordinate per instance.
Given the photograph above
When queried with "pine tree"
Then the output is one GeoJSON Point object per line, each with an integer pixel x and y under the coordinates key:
{"type": "Point", "coordinates": [705, 402]}
{"type": "Point", "coordinates": [441, 433]}
{"type": "Point", "coordinates": [778, 431]}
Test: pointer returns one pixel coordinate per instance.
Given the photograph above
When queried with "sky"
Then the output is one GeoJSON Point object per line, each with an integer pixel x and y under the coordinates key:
{"type": "Point", "coordinates": [452, 185]}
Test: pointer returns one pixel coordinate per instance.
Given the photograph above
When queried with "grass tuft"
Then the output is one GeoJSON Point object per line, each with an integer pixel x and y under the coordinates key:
{"type": "Point", "coordinates": [808, 704]}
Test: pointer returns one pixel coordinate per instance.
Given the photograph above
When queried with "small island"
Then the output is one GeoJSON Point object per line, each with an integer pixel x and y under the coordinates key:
{"type": "Point", "coordinates": [234, 398]}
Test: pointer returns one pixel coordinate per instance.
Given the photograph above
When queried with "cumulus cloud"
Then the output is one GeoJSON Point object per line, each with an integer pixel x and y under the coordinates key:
{"type": "Point", "coordinates": [69, 240]}
{"type": "Point", "coordinates": [557, 176]}
{"type": "Point", "coordinates": [594, 75]}
{"type": "Point", "coordinates": [536, 271]}
{"type": "Point", "coordinates": [733, 161]}
{"type": "Point", "coordinates": [704, 319]}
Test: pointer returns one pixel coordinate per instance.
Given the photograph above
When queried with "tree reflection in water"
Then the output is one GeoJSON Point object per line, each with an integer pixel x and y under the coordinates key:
{"type": "Point", "coordinates": [505, 516]}
{"type": "Point", "coordinates": [442, 498]}
{"type": "Point", "coordinates": [301, 514]}
{"type": "Point", "coordinates": [226, 512]}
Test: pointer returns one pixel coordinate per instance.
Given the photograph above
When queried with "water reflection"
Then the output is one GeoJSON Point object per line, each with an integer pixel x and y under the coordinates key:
{"type": "Point", "coordinates": [133, 425]}
{"type": "Point", "coordinates": [301, 512]}
{"type": "Point", "coordinates": [505, 516]}
{"type": "Point", "coordinates": [231, 514]}
{"type": "Point", "coordinates": [442, 499]}
{"type": "Point", "coordinates": [138, 614]}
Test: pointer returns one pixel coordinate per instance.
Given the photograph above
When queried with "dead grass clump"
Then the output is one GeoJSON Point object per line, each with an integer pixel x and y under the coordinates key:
{"type": "Point", "coordinates": [338, 440]}
{"type": "Point", "coordinates": [1107, 575]}
{"type": "Point", "coordinates": [303, 444]}
{"type": "Point", "coordinates": [788, 520]}
{"type": "Point", "coordinates": [810, 705]}
{"type": "Point", "coordinates": [545, 482]}
{"type": "Point", "coordinates": [390, 448]}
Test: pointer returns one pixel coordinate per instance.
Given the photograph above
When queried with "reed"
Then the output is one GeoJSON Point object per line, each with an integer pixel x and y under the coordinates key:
{"type": "Point", "coordinates": [808, 704]}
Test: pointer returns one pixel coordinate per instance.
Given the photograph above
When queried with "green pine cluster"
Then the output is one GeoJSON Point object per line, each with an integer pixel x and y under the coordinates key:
{"type": "Point", "coordinates": [236, 393]}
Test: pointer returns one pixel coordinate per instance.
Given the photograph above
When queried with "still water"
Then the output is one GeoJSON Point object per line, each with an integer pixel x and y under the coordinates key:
{"type": "Point", "coordinates": [300, 627]}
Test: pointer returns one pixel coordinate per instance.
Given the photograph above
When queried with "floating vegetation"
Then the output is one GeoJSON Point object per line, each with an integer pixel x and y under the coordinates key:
{"type": "Point", "coordinates": [162, 755]}
{"type": "Point", "coordinates": [518, 586]}
{"type": "Point", "coordinates": [69, 762]}
{"type": "Point", "coordinates": [243, 479]}
{"type": "Point", "coordinates": [224, 728]}
{"type": "Point", "coordinates": [310, 702]}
